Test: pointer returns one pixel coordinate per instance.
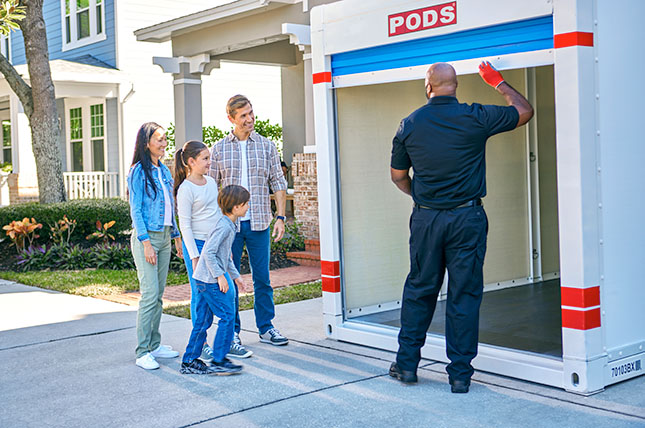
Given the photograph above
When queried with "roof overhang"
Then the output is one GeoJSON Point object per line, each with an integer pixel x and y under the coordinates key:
{"type": "Point", "coordinates": [69, 71]}
{"type": "Point", "coordinates": [234, 10]}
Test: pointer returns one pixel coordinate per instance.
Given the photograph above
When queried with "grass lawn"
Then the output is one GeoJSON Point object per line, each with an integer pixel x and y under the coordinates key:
{"type": "Point", "coordinates": [87, 282]}
{"type": "Point", "coordinates": [292, 293]}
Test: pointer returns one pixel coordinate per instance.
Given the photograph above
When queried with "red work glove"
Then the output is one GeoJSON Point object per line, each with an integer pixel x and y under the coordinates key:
{"type": "Point", "coordinates": [490, 75]}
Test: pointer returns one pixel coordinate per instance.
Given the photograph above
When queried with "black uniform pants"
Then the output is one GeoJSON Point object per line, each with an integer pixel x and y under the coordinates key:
{"type": "Point", "coordinates": [439, 239]}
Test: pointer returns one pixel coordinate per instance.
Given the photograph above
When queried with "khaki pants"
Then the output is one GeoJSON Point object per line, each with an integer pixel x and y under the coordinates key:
{"type": "Point", "coordinates": [152, 282]}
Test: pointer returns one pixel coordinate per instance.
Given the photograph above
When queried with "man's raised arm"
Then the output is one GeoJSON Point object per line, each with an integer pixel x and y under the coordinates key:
{"type": "Point", "coordinates": [513, 98]}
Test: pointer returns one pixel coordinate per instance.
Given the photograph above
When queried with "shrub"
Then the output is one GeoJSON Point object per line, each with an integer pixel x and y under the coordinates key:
{"type": "Point", "coordinates": [115, 257]}
{"type": "Point", "coordinates": [291, 241]}
{"type": "Point", "coordinates": [38, 258]}
{"type": "Point", "coordinates": [212, 134]}
{"type": "Point", "coordinates": [177, 264]}
{"type": "Point", "coordinates": [84, 211]}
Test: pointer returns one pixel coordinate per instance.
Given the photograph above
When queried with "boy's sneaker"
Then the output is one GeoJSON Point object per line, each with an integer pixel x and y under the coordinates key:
{"type": "Point", "coordinates": [226, 367]}
{"type": "Point", "coordinates": [164, 351]}
{"type": "Point", "coordinates": [196, 366]}
{"type": "Point", "coordinates": [237, 350]}
{"type": "Point", "coordinates": [207, 354]}
{"type": "Point", "coordinates": [273, 337]}
{"type": "Point", "coordinates": [147, 362]}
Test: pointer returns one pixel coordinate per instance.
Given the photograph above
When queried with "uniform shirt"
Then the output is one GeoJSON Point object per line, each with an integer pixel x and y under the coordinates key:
{"type": "Point", "coordinates": [263, 170]}
{"type": "Point", "coordinates": [445, 144]}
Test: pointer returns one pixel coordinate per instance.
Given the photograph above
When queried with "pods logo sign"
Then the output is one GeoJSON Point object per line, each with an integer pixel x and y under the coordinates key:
{"type": "Point", "coordinates": [422, 19]}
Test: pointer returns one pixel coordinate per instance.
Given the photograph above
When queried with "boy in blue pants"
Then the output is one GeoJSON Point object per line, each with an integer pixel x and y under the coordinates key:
{"type": "Point", "coordinates": [218, 297]}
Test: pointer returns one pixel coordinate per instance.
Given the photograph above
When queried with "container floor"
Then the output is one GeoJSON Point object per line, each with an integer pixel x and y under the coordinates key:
{"type": "Point", "coordinates": [526, 318]}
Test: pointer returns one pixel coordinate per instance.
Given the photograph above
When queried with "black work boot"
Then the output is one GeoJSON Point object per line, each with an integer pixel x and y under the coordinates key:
{"type": "Point", "coordinates": [404, 376]}
{"type": "Point", "coordinates": [459, 386]}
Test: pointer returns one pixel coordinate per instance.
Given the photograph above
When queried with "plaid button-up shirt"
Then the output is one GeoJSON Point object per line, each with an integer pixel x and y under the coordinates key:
{"type": "Point", "coordinates": [264, 170]}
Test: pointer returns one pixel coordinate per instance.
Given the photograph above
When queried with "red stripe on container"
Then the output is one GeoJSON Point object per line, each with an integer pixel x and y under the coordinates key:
{"type": "Point", "coordinates": [329, 268]}
{"type": "Point", "coordinates": [331, 285]}
{"type": "Point", "coordinates": [323, 77]}
{"type": "Point", "coordinates": [576, 38]}
{"type": "Point", "coordinates": [581, 320]}
{"type": "Point", "coordinates": [580, 297]}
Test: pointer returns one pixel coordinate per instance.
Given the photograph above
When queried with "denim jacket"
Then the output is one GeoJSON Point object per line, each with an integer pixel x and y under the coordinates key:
{"type": "Point", "coordinates": [147, 211]}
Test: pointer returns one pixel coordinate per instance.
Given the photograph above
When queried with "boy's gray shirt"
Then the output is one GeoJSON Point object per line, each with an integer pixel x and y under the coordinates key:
{"type": "Point", "coordinates": [216, 259]}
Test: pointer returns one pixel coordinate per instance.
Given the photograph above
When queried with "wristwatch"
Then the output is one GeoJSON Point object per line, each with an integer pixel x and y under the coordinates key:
{"type": "Point", "coordinates": [280, 217]}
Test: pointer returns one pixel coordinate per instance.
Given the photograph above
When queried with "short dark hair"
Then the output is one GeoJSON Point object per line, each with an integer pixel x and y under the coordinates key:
{"type": "Point", "coordinates": [231, 196]}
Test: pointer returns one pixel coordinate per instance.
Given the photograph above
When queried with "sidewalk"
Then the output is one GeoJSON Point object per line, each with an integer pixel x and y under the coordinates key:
{"type": "Point", "coordinates": [68, 361]}
{"type": "Point", "coordinates": [180, 294]}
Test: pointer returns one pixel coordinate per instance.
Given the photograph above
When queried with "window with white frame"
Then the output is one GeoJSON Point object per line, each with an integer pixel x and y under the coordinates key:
{"type": "Point", "coordinates": [98, 137]}
{"type": "Point", "coordinates": [6, 141]}
{"type": "Point", "coordinates": [83, 22]}
{"type": "Point", "coordinates": [86, 134]}
{"type": "Point", "coordinates": [5, 46]}
{"type": "Point", "coordinates": [76, 138]}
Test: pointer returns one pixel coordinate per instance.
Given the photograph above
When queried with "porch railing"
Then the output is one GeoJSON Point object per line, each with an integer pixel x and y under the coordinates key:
{"type": "Point", "coordinates": [85, 185]}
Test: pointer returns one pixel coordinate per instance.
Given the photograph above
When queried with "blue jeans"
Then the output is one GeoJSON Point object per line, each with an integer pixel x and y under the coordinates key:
{"type": "Point", "coordinates": [258, 245]}
{"type": "Point", "coordinates": [212, 302]}
{"type": "Point", "coordinates": [195, 297]}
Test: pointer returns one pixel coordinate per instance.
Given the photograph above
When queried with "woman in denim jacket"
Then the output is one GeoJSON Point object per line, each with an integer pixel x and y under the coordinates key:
{"type": "Point", "coordinates": [152, 210]}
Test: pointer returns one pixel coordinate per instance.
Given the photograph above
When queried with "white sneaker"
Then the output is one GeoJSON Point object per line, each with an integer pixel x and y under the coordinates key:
{"type": "Point", "coordinates": [147, 362]}
{"type": "Point", "coordinates": [164, 351]}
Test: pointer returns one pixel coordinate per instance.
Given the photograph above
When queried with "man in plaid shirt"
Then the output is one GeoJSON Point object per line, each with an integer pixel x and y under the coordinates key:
{"type": "Point", "coordinates": [248, 159]}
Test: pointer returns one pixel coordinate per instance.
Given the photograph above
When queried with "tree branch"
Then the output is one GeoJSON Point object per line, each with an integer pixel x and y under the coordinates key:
{"type": "Point", "coordinates": [18, 85]}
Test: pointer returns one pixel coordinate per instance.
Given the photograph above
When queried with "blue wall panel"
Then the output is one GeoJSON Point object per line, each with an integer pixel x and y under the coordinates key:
{"type": "Point", "coordinates": [104, 50]}
{"type": "Point", "coordinates": [522, 36]}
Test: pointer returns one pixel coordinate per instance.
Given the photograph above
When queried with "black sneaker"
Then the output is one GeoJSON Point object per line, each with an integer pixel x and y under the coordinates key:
{"type": "Point", "coordinates": [196, 367]}
{"type": "Point", "coordinates": [225, 367]}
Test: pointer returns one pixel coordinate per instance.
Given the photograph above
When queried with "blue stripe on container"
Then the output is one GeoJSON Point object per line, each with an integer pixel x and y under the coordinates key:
{"type": "Point", "coordinates": [522, 36]}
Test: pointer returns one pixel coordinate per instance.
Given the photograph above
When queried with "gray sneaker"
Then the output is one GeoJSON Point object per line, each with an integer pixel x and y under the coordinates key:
{"type": "Point", "coordinates": [207, 354]}
{"type": "Point", "coordinates": [273, 337]}
{"type": "Point", "coordinates": [238, 351]}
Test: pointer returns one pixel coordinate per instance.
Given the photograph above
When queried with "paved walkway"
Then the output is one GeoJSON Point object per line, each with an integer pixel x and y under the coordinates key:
{"type": "Point", "coordinates": [180, 294]}
{"type": "Point", "coordinates": [68, 361]}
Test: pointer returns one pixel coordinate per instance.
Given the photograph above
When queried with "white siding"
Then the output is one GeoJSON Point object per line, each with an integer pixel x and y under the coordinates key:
{"type": "Point", "coordinates": [153, 96]}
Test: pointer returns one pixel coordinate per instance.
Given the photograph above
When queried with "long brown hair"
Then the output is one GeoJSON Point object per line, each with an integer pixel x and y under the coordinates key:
{"type": "Point", "coordinates": [190, 149]}
{"type": "Point", "coordinates": [142, 154]}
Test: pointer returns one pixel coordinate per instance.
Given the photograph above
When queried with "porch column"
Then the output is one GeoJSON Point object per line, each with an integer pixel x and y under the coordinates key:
{"type": "Point", "coordinates": [300, 35]}
{"type": "Point", "coordinates": [187, 72]}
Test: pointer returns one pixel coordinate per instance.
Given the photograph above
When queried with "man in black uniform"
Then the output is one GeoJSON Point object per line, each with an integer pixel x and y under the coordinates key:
{"type": "Point", "coordinates": [444, 142]}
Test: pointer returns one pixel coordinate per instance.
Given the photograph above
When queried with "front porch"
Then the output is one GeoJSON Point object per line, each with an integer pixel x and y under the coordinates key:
{"type": "Point", "coordinates": [87, 100]}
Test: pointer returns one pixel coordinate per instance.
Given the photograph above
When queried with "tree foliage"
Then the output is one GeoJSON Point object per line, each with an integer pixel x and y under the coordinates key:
{"type": "Point", "coordinates": [10, 14]}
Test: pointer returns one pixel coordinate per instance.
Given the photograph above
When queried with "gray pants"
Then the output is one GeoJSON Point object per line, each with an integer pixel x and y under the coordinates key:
{"type": "Point", "coordinates": [152, 282]}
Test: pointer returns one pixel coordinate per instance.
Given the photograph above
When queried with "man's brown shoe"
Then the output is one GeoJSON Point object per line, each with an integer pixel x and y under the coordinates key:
{"type": "Point", "coordinates": [404, 376]}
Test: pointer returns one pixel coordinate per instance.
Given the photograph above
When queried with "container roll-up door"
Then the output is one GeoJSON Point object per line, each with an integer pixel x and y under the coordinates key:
{"type": "Point", "coordinates": [375, 213]}
{"type": "Point", "coordinates": [515, 37]}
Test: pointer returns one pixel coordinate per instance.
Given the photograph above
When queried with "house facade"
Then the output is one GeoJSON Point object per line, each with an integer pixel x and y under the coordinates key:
{"type": "Point", "coordinates": [106, 87]}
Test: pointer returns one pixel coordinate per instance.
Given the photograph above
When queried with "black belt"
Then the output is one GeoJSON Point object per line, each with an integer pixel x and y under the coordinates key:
{"type": "Point", "coordinates": [474, 203]}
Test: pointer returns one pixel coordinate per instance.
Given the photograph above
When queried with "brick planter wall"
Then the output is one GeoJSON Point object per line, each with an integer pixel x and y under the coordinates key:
{"type": "Point", "coordinates": [305, 185]}
{"type": "Point", "coordinates": [18, 195]}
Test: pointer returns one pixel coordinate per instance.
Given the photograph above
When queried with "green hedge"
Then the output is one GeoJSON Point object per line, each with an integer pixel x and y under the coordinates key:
{"type": "Point", "coordinates": [85, 211]}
